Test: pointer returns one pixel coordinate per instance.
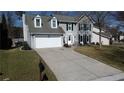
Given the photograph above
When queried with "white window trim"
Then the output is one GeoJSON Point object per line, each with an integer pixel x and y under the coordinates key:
{"type": "Point", "coordinates": [35, 24]}
{"type": "Point", "coordinates": [54, 19]}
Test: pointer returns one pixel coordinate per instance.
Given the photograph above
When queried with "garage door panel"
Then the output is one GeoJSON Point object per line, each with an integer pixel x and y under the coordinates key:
{"type": "Point", "coordinates": [48, 42]}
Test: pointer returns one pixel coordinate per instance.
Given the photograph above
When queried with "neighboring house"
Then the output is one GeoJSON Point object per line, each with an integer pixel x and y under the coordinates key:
{"type": "Point", "coordinates": [121, 37]}
{"type": "Point", "coordinates": [57, 30]}
{"type": "Point", "coordinates": [118, 37]}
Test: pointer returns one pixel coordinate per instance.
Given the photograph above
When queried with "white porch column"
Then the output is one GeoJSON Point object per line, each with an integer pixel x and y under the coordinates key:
{"type": "Point", "coordinates": [73, 39]}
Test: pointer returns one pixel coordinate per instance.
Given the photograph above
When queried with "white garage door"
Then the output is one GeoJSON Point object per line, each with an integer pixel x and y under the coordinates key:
{"type": "Point", "coordinates": [48, 42]}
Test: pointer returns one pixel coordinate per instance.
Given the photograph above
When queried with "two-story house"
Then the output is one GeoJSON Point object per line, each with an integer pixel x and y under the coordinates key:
{"type": "Point", "coordinates": [57, 30]}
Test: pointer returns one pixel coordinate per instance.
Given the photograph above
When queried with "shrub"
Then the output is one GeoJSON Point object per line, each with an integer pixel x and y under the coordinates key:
{"type": "Point", "coordinates": [66, 45]}
{"type": "Point", "coordinates": [25, 46]}
{"type": "Point", "coordinates": [93, 43]}
{"type": "Point", "coordinates": [18, 44]}
{"type": "Point", "coordinates": [122, 40]}
{"type": "Point", "coordinates": [9, 42]}
{"type": "Point", "coordinates": [97, 43]}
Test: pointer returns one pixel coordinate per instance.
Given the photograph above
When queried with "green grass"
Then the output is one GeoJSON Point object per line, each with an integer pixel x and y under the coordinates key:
{"type": "Point", "coordinates": [23, 65]}
{"type": "Point", "coordinates": [111, 55]}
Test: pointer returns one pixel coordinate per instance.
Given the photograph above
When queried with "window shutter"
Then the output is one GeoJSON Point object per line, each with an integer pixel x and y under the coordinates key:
{"type": "Point", "coordinates": [67, 27]}
{"type": "Point", "coordinates": [79, 27]}
{"type": "Point", "coordinates": [72, 27]}
{"type": "Point", "coordinates": [85, 27]}
{"type": "Point", "coordinates": [90, 27]}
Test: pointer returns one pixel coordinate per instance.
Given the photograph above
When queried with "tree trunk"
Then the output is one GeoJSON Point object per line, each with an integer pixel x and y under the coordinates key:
{"type": "Point", "coordinates": [100, 43]}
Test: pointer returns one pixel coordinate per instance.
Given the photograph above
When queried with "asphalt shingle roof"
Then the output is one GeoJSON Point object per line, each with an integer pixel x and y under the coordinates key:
{"type": "Point", "coordinates": [46, 27]}
{"type": "Point", "coordinates": [63, 18]}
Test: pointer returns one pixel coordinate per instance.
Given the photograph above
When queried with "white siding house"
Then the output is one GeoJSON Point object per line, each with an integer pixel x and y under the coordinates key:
{"type": "Point", "coordinates": [57, 30]}
{"type": "Point", "coordinates": [121, 37]}
{"type": "Point", "coordinates": [95, 39]}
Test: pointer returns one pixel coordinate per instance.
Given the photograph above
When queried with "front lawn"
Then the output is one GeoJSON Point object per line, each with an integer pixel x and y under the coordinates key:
{"type": "Point", "coordinates": [111, 55]}
{"type": "Point", "coordinates": [16, 64]}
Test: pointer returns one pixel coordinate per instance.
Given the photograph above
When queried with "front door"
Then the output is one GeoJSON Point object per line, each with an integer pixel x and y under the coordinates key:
{"type": "Point", "coordinates": [70, 40]}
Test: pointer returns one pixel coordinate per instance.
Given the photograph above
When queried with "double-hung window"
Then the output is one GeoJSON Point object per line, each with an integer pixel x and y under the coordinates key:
{"type": "Point", "coordinates": [37, 22]}
{"type": "Point", "coordinates": [80, 26]}
{"type": "Point", "coordinates": [69, 27]}
{"type": "Point", "coordinates": [85, 27]}
{"type": "Point", "coordinates": [54, 22]}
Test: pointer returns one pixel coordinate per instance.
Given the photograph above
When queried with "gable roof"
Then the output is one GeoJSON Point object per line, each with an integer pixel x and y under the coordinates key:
{"type": "Point", "coordinates": [46, 26]}
{"type": "Point", "coordinates": [75, 19]}
{"type": "Point", "coordinates": [82, 16]}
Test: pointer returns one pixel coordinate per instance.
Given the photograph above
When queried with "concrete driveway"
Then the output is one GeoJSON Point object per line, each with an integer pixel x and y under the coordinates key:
{"type": "Point", "coordinates": [67, 64]}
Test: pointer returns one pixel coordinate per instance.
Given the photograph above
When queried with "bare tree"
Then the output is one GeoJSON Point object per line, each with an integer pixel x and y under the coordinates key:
{"type": "Point", "coordinates": [120, 18]}
{"type": "Point", "coordinates": [19, 14]}
{"type": "Point", "coordinates": [10, 22]}
{"type": "Point", "coordinates": [99, 18]}
{"type": "Point", "coordinates": [120, 15]}
{"type": "Point", "coordinates": [114, 32]}
{"type": "Point", "coordinates": [11, 17]}
{"type": "Point", "coordinates": [120, 26]}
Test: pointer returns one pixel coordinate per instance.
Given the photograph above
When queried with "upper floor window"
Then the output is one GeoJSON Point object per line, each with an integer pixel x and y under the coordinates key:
{"type": "Point", "coordinates": [81, 26]}
{"type": "Point", "coordinates": [69, 27]}
{"type": "Point", "coordinates": [85, 27]}
{"type": "Point", "coordinates": [37, 22]}
{"type": "Point", "coordinates": [54, 22]}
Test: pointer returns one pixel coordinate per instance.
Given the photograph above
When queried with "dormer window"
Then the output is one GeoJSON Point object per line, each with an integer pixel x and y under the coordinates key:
{"type": "Point", "coordinates": [37, 22]}
{"type": "Point", "coordinates": [54, 22]}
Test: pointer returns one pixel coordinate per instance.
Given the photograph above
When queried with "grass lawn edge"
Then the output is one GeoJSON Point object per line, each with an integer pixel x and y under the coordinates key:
{"type": "Point", "coordinates": [50, 74]}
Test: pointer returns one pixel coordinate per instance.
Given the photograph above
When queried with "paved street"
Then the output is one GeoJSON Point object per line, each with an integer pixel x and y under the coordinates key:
{"type": "Point", "coordinates": [69, 65]}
